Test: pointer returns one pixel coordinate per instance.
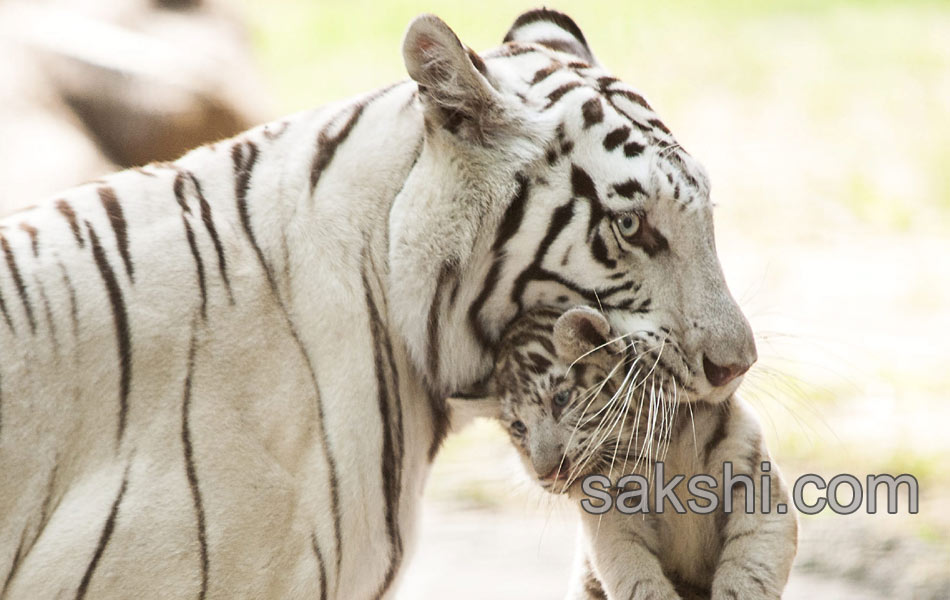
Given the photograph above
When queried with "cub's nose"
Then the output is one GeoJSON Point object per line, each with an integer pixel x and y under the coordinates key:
{"type": "Point", "coordinates": [719, 375]}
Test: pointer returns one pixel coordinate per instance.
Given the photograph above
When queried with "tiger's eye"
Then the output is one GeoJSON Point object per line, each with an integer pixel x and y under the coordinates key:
{"type": "Point", "coordinates": [561, 398]}
{"type": "Point", "coordinates": [519, 427]}
{"type": "Point", "coordinates": [628, 224]}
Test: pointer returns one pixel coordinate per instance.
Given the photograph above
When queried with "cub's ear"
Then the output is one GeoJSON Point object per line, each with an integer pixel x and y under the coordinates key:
{"type": "Point", "coordinates": [583, 334]}
{"type": "Point", "coordinates": [554, 30]}
{"type": "Point", "coordinates": [479, 401]}
{"type": "Point", "coordinates": [452, 78]}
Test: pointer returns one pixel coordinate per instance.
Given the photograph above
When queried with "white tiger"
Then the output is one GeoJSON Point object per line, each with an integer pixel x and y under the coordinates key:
{"type": "Point", "coordinates": [579, 401]}
{"type": "Point", "coordinates": [223, 377]}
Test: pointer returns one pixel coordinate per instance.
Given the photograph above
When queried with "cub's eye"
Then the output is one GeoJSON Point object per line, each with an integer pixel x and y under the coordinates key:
{"type": "Point", "coordinates": [519, 427]}
{"type": "Point", "coordinates": [561, 398]}
{"type": "Point", "coordinates": [628, 224]}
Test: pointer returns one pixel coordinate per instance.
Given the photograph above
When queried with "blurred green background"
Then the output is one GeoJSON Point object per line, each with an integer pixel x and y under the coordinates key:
{"type": "Point", "coordinates": [826, 130]}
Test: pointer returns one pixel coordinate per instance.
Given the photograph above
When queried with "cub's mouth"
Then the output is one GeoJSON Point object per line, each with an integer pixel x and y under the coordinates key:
{"type": "Point", "coordinates": [557, 477]}
{"type": "Point", "coordinates": [561, 481]}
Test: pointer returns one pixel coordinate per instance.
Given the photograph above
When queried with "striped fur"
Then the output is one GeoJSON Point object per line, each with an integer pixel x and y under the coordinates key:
{"type": "Point", "coordinates": [224, 376]}
{"type": "Point", "coordinates": [578, 402]}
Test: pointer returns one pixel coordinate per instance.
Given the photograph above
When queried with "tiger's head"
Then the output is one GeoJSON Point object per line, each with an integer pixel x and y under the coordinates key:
{"type": "Point", "coordinates": [574, 398]}
{"type": "Point", "coordinates": [543, 180]}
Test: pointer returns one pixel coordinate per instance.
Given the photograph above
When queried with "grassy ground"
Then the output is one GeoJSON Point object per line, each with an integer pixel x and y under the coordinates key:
{"type": "Point", "coordinates": [826, 130]}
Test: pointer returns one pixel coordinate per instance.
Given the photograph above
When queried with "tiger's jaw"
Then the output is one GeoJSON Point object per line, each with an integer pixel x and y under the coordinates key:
{"type": "Point", "coordinates": [676, 370]}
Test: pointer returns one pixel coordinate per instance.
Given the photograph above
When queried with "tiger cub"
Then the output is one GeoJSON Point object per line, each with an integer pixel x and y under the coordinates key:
{"type": "Point", "coordinates": [577, 403]}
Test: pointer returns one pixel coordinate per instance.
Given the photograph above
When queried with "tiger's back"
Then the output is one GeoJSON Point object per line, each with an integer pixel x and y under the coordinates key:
{"type": "Point", "coordinates": [154, 365]}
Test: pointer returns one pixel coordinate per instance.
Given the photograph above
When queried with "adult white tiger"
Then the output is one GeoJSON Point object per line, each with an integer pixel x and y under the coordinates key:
{"type": "Point", "coordinates": [223, 377]}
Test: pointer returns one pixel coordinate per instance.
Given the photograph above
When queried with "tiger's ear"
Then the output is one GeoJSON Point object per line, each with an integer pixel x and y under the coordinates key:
{"type": "Point", "coordinates": [452, 78]}
{"type": "Point", "coordinates": [481, 400]}
{"type": "Point", "coordinates": [554, 30]}
{"type": "Point", "coordinates": [583, 334]}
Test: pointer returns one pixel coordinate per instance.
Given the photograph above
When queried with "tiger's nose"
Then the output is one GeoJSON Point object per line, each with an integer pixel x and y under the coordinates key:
{"type": "Point", "coordinates": [721, 375]}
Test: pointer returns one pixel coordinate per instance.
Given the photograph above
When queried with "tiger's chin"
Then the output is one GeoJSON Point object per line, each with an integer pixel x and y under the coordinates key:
{"type": "Point", "coordinates": [716, 395]}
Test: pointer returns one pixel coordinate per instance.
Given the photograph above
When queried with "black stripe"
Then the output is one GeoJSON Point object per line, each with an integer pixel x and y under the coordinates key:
{"type": "Point", "coordinates": [616, 137]}
{"type": "Point", "coordinates": [632, 149]}
{"type": "Point", "coordinates": [179, 188]}
{"type": "Point", "coordinates": [633, 97]}
{"type": "Point", "coordinates": [593, 112]}
{"type": "Point", "coordinates": [559, 220]}
{"type": "Point", "coordinates": [720, 432]}
{"type": "Point", "coordinates": [433, 357]}
{"type": "Point", "coordinates": [687, 589]}
{"type": "Point", "coordinates": [582, 186]}
{"type": "Point", "coordinates": [243, 166]}
{"type": "Point", "coordinates": [437, 402]}
{"type": "Point", "coordinates": [658, 124]}
{"type": "Point", "coordinates": [388, 462]}
{"type": "Point", "coordinates": [327, 145]}
{"type": "Point", "coordinates": [320, 566]}
{"type": "Point", "coordinates": [66, 209]}
{"type": "Point", "coordinates": [6, 314]}
{"type": "Point", "coordinates": [514, 214]}
{"type": "Point", "coordinates": [510, 49]}
{"type": "Point", "coordinates": [599, 251]}
{"type": "Point", "coordinates": [592, 585]}
{"type": "Point", "coordinates": [474, 316]}
{"type": "Point", "coordinates": [551, 16]}
{"type": "Point", "coordinates": [15, 565]}
{"type": "Point", "coordinates": [18, 282]}
{"type": "Point", "coordinates": [394, 376]}
{"type": "Point", "coordinates": [560, 92]}
{"type": "Point", "coordinates": [190, 466]}
{"type": "Point", "coordinates": [47, 309]}
{"type": "Point", "coordinates": [544, 73]}
{"type": "Point", "coordinates": [121, 319]}
{"type": "Point", "coordinates": [33, 232]}
{"type": "Point", "coordinates": [213, 232]}
{"type": "Point", "coordinates": [609, 97]}
{"type": "Point", "coordinates": [117, 219]}
{"type": "Point", "coordinates": [73, 305]}
{"type": "Point", "coordinates": [629, 188]}
{"type": "Point", "coordinates": [104, 537]}
{"type": "Point", "coordinates": [441, 419]}
{"type": "Point", "coordinates": [199, 266]}
{"type": "Point", "coordinates": [24, 549]}
{"type": "Point", "coordinates": [510, 224]}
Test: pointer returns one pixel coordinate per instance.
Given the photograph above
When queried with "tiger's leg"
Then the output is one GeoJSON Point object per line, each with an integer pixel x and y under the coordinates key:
{"type": "Point", "coordinates": [758, 547]}
{"type": "Point", "coordinates": [623, 553]}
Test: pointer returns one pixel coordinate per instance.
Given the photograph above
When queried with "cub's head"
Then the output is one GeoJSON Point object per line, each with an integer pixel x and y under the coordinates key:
{"type": "Point", "coordinates": [575, 399]}
{"type": "Point", "coordinates": [540, 179]}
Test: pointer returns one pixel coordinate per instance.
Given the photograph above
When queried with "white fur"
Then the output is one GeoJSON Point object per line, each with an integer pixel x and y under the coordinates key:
{"type": "Point", "coordinates": [395, 206]}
